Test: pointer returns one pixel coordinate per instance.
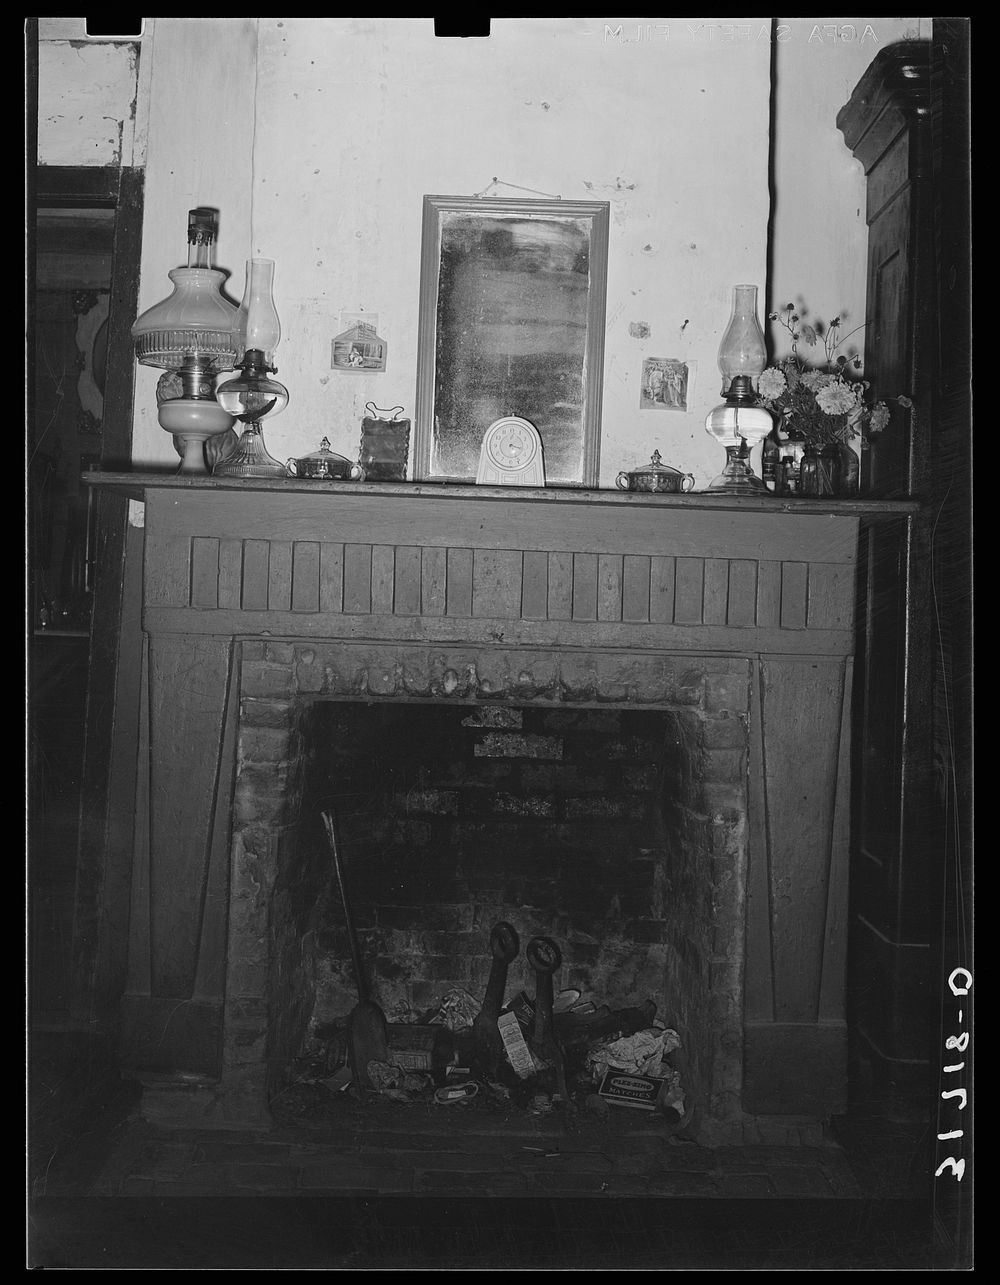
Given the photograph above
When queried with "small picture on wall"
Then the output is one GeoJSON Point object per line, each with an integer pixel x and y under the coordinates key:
{"type": "Point", "coordinates": [665, 384]}
{"type": "Point", "coordinates": [359, 348]}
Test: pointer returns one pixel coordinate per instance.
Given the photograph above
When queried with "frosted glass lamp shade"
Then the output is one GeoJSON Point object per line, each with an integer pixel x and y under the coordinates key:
{"type": "Point", "coordinates": [193, 324]}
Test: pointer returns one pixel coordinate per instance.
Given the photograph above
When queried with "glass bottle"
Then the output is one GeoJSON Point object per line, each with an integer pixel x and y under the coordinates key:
{"type": "Point", "coordinates": [819, 473]}
{"type": "Point", "coordinates": [742, 351]}
{"type": "Point", "coordinates": [770, 460]}
{"type": "Point", "coordinates": [850, 470]}
{"type": "Point", "coordinates": [830, 468]}
{"type": "Point", "coordinates": [809, 476]}
{"type": "Point", "coordinates": [790, 475]}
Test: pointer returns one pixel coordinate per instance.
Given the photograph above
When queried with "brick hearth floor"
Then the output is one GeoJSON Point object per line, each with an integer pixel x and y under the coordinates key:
{"type": "Point", "coordinates": [432, 1151]}
{"type": "Point", "coordinates": [468, 1149]}
{"type": "Point", "coordinates": [415, 1185]}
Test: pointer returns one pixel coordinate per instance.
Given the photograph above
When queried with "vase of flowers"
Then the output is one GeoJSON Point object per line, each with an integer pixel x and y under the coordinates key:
{"type": "Point", "coordinates": [822, 409]}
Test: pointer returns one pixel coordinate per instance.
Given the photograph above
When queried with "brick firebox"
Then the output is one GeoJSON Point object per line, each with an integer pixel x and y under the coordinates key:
{"type": "Point", "coordinates": [725, 625]}
{"type": "Point", "coordinates": [618, 827]}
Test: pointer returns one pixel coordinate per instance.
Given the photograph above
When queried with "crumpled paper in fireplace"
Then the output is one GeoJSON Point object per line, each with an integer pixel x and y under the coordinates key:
{"type": "Point", "coordinates": [639, 1054]}
{"type": "Point", "coordinates": [393, 1082]}
{"type": "Point", "coordinates": [458, 1010]}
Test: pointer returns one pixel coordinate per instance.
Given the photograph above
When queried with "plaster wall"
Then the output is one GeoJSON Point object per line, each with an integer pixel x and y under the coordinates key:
{"type": "Point", "coordinates": [819, 234]}
{"type": "Point", "coordinates": [87, 101]}
{"type": "Point", "coordinates": [201, 86]}
{"type": "Point", "coordinates": [350, 121]}
{"type": "Point", "coordinates": [318, 137]}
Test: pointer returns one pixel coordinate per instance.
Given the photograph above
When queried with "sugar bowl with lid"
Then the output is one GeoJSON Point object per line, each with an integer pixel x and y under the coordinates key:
{"type": "Point", "coordinates": [325, 465]}
{"type": "Point", "coordinates": [655, 476]}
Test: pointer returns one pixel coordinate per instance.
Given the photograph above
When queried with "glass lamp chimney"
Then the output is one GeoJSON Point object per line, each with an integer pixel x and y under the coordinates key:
{"type": "Point", "coordinates": [742, 351]}
{"type": "Point", "coordinates": [257, 326]}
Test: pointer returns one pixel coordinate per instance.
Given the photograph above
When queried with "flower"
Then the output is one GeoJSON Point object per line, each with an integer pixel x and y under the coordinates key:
{"type": "Point", "coordinates": [879, 417]}
{"type": "Point", "coordinates": [772, 383]}
{"type": "Point", "coordinates": [825, 402]}
{"type": "Point", "coordinates": [835, 398]}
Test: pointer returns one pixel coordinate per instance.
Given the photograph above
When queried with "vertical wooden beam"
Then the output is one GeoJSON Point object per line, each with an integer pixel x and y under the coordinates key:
{"type": "Point", "coordinates": [635, 588]}
{"type": "Point", "coordinates": [458, 599]}
{"type": "Point", "coordinates": [535, 586]}
{"type": "Point", "coordinates": [759, 977]}
{"type": "Point", "coordinates": [104, 852]}
{"type": "Point", "coordinates": [560, 586]}
{"type": "Point", "coordinates": [801, 721]}
{"type": "Point", "coordinates": [188, 686]}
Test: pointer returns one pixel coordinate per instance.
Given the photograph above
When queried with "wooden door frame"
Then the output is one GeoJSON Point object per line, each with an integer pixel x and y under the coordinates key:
{"type": "Point", "coordinates": [104, 853]}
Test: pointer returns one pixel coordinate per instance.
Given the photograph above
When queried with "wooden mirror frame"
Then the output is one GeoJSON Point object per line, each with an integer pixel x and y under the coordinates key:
{"type": "Point", "coordinates": [597, 213]}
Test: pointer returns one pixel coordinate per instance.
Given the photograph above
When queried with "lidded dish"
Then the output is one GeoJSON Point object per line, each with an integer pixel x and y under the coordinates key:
{"type": "Point", "coordinates": [655, 476]}
{"type": "Point", "coordinates": [325, 465]}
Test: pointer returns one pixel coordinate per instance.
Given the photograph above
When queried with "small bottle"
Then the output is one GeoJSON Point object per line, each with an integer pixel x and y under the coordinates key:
{"type": "Point", "coordinates": [810, 481]}
{"type": "Point", "coordinates": [789, 476]}
{"type": "Point", "coordinates": [770, 459]}
{"type": "Point", "coordinates": [850, 469]}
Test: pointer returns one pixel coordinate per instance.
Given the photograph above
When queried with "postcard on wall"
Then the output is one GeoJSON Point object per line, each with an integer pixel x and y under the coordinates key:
{"type": "Point", "coordinates": [358, 347]}
{"type": "Point", "coordinates": [666, 384]}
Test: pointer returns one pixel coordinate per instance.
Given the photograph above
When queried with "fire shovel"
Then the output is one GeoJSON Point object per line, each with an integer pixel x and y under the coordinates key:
{"type": "Point", "coordinates": [544, 956]}
{"type": "Point", "coordinates": [504, 945]}
{"type": "Point", "coordinates": [368, 1034]}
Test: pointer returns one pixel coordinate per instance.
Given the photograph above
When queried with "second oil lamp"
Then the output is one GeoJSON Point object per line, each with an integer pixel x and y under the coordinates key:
{"type": "Point", "coordinates": [740, 423]}
{"type": "Point", "coordinates": [252, 394]}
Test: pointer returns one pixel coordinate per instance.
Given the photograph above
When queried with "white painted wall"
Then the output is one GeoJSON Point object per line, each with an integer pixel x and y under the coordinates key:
{"type": "Point", "coordinates": [352, 121]}
{"type": "Point", "coordinates": [336, 129]}
{"type": "Point", "coordinates": [86, 99]}
{"type": "Point", "coordinates": [820, 239]}
{"type": "Point", "coordinates": [202, 74]}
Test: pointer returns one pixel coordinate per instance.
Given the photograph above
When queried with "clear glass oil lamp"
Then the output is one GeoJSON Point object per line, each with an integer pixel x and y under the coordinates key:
{"type": "Point", "coordinates": [739, 424]}
{"type": "Point", "coordinates": [191, 333]}
{"type": "Point", "coordinates": [252, 395]}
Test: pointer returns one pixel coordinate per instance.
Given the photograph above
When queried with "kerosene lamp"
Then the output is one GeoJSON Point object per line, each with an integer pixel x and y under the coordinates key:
{"type": "Point", "coordinates": [740, 423]}
{"type": "Point", "coordinates": [253, 394]}
{"type": "Point", "coordinates": [190, 334]}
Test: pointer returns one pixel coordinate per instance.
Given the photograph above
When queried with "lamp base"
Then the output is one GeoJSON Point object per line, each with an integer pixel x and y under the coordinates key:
{"type": "Point", "coordinates": [251, 458]}
{"type": "Point", "coordinates": [737, 478]}
{"type": "Point", "coordinates": [193, 421]}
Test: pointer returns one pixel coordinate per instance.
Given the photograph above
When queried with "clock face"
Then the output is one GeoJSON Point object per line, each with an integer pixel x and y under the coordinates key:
{"type": "Point", "coordinates": [510, 445]}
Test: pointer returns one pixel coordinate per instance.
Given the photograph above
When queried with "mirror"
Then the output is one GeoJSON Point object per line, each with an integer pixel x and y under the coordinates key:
{"type": "Point", "coordinates": [512, 303]}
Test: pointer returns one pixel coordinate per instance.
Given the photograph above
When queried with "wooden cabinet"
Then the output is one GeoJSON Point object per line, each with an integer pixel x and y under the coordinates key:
{"type": "Point", "coordinates": [905, 715]}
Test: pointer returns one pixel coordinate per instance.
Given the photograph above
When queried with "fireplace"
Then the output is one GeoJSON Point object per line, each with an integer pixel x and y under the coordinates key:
{"type": "Point", "coordinates": [587, 825]}
{"type": "Point", "coordinates": [617, 829]}
{"type": "Point", "coordinates": [618, 719]}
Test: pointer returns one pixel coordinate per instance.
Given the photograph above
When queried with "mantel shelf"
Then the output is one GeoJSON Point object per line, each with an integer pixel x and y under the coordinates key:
{"type": "Point", "coordinates": [136, 485]}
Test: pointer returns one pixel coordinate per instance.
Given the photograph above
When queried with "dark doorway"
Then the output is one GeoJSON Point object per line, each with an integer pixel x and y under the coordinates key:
{"type": "Point", "coordinates": [83, 260]}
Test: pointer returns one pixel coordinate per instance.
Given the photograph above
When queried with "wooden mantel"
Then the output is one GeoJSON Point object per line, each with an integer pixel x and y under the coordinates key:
{"type": "Point", "coordinates": [762, 588]}
{"type": "Point", "coordinates": [136, 484]}
{"type": "Point", "coordinates": [313, 558]}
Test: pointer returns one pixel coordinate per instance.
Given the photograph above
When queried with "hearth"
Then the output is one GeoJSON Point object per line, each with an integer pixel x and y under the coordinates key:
{"type": "Point", "coordinates": [627, 721]}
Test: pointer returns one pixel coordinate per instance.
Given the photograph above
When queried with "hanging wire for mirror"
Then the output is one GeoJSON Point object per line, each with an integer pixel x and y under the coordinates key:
{"type": "Point", "coordinates": [499, 182]}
